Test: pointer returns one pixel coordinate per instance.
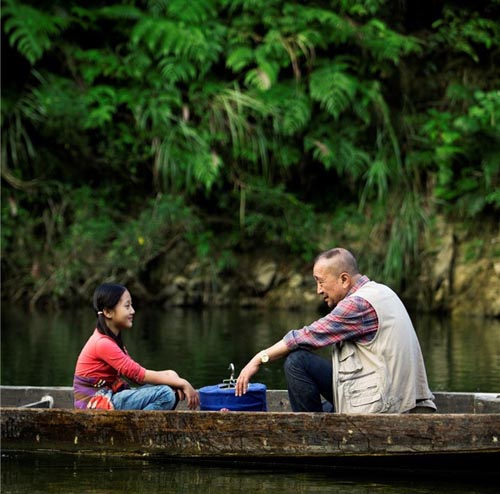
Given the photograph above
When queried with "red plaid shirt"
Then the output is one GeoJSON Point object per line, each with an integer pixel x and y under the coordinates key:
{"type": "Point", "coordinates": [353, 318]}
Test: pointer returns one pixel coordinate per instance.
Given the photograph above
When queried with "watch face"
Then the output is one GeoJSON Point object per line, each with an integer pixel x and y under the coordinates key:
{"type": "Point", "coordinates": [264, 358]}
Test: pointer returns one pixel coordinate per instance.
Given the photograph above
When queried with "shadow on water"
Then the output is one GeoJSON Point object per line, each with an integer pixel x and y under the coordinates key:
{"type": "Point", "coordinates": [50, 473]}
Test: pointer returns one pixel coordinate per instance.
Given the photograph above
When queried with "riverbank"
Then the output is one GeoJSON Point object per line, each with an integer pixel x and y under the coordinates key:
{"type": "Point", "coordinates": [458, 273]}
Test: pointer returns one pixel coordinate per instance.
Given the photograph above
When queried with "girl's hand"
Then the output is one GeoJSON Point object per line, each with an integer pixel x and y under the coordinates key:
{"type": "Point", "coordinates": [189, 393]}
{"type": "Point", "coordinates": [180, 394]}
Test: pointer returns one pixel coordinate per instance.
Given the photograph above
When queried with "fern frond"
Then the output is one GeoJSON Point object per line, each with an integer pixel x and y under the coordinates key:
{"type": "Point", "coordinates": [296, 115]}
{"type": "Point", "coordinates": [239, 58]}
{"type": "Point", "coordinates": [463, 32]}
{"type": "Point", "coordinates": [206, 168]}
{"type": "Point", "coordinates": [262, 77]}
{"type": "Point", "coordinates": [157, 7]}
{"type": "Point", "coordinates": [334, 28]}
{"type": "Point", "coordinates": [102, 103]}
{"type": "Point", "coordinates": [194, 12]}
{"type": "Point", "coordinates": [290, 108]}
{"type": "Point", "coordinates": [93, 64]}
{"type": "Point", "coordinates": [361, 8]}
{"type": "Point", "coordinates": [339, 152]}
{"type": "Point", "coordinates": [168, 38]}
{"type": "Point", "coordinates": [58, 100]}
{"type": "Point", "coordinates": [248, 5]}
{"type": "Point", "coordinates": [30, 30]}
{"type": "Point", "coordinates": [334, 88]}
{"type": "Point", "coordinates": [184, 160]}
{"type": "Point", "coordinates": [386, 44]}
{"type": "Point", "coordinates": [90, 15]}
{"type": "Point", "coordinates": [156, 113]}
{"type": "Point", "coordinates": [118, 12]}
{"type": "Point", "coordinates": [174, 70]}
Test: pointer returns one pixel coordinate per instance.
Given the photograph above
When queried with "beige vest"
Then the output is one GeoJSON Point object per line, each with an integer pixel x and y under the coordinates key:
{"type": "Point", "coordinates": [386, 375]}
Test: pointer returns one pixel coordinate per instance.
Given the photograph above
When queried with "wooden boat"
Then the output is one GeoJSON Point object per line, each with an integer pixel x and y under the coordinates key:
{"type": "Point", "coordinates": [463, 436]}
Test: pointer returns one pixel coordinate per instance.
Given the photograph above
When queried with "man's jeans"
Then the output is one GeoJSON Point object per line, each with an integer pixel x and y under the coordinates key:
{"type": "Point", "coordinates": [309, 377]}
{"type": "Point", "coordinates": [147, 397]}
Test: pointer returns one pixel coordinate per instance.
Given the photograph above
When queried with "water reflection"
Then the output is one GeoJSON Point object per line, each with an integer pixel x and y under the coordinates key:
{"type": "Point", "coordinates": [50, 473]}
{"type": "Point", "coordinates": [41, 348]}
{"type": "Point", "coordinates": [461, 354]}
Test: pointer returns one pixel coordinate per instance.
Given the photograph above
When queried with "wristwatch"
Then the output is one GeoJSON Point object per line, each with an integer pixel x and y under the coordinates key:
{"type": "Point", "coordinates": [264, 358]}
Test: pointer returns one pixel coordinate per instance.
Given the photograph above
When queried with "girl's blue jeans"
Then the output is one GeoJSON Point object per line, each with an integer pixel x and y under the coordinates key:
{"type": "Point", "coordinates": [147, 397]}
{"type": "Point", "coordinates": [309, 378]}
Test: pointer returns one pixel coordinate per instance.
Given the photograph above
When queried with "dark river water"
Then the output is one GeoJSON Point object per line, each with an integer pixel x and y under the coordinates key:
{"type": "Point", "coordinates": [41, 349]}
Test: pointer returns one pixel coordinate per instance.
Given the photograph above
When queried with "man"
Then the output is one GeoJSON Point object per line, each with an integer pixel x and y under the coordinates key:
{"type": "Point", "coordinates": [376, 365]}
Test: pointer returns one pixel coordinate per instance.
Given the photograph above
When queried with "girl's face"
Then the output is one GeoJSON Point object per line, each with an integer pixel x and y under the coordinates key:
{"type": "Point", "coordinates": [121, 316]}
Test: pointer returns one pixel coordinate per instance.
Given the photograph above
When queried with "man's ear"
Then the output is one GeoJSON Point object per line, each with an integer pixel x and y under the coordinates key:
{"type": "Point", "coordinates": [345, 278]}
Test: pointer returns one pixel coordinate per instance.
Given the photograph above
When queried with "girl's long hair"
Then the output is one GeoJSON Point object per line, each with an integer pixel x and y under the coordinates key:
{"type": "Point", "coordinates": [106, 297]}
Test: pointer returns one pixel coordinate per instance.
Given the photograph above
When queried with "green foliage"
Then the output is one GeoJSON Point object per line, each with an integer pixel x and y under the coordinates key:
{"type": "Point", "coordinates": [283, 108]}
{"type": "Point", "coordinates": [17, 146]}
{"type": "Point", "coordinates": [99, 244]}
{"type": "Point", "coordinates": [167, 38]}
{"type": "Point", "coordinates": [362, 8]}
{"type": "Point", "coordinates": [86, 15]}
{"type": "Point", "coordinates": [474, 250]}
{"type": "Point", "coordinates": [458, 137]}
{"type": "Point", "coordinates": [334, 88]}
{"type": "Point", "coordinates": [184, 161]}
{"type": "Point", "coordinates": [152, 232]}
{"type": "Point", "coordinates": [385, 43]}
{"type": "Point", "coordinates": [296, 225]}
{"type": "Point", "coordinates": [404, 240]}
{"type": "Point", "coordinates": [340, 152]}
{"type": "Point", "coordinates": [320, 26]}
{"type": "Point", "coordinates": [30, 30]}
{"type": "Point", "coordinates": [466, 32]}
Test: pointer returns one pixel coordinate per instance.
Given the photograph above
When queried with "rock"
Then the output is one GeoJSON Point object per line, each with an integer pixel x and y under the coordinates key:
{"type": "Point", "coordinates": [496, 268]}
{"type": "Point", "coordinates": [295, 280]}
{"type": "Point", "coordinates": [476, 289]}
{"type": "Point", "coordinates": [181, 282]}
{"type": "Point", "coordinates": [442, 271]}
{"type": "Point", "coordinates": [263, 275]}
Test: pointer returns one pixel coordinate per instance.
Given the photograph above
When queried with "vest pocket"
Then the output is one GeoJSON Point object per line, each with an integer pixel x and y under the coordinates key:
{"type": "Point", "coordinates": [360, 389]}
{"type": "Point", "coordinates": [349, 363]}
{"type": "Point", "coordinates": [364, 394]}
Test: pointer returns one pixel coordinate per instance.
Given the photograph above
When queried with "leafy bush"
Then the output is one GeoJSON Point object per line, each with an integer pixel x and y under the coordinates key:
{"type": "Point", "coordinates": [125, 125]}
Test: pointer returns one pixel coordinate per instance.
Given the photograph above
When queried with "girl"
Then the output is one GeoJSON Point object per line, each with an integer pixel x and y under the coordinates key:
{"type": "Point", "coordinates": [103, 360]}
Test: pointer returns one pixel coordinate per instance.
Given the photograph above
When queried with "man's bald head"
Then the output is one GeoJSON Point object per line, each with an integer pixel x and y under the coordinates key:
{"type": "Point", "coordinates": [339, 260]}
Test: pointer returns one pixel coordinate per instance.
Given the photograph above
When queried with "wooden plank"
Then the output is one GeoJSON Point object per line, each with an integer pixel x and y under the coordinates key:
{"type": "Point", "coordinates": [247, 434]}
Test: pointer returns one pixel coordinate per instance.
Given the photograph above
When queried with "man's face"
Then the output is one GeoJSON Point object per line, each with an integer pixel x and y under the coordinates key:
{"type": "Point", "coordinates": [332, 286]}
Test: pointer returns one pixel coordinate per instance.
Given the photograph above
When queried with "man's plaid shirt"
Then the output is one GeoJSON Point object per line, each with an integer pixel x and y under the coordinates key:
{"type": "Point", "coordinates": [353, 318]}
